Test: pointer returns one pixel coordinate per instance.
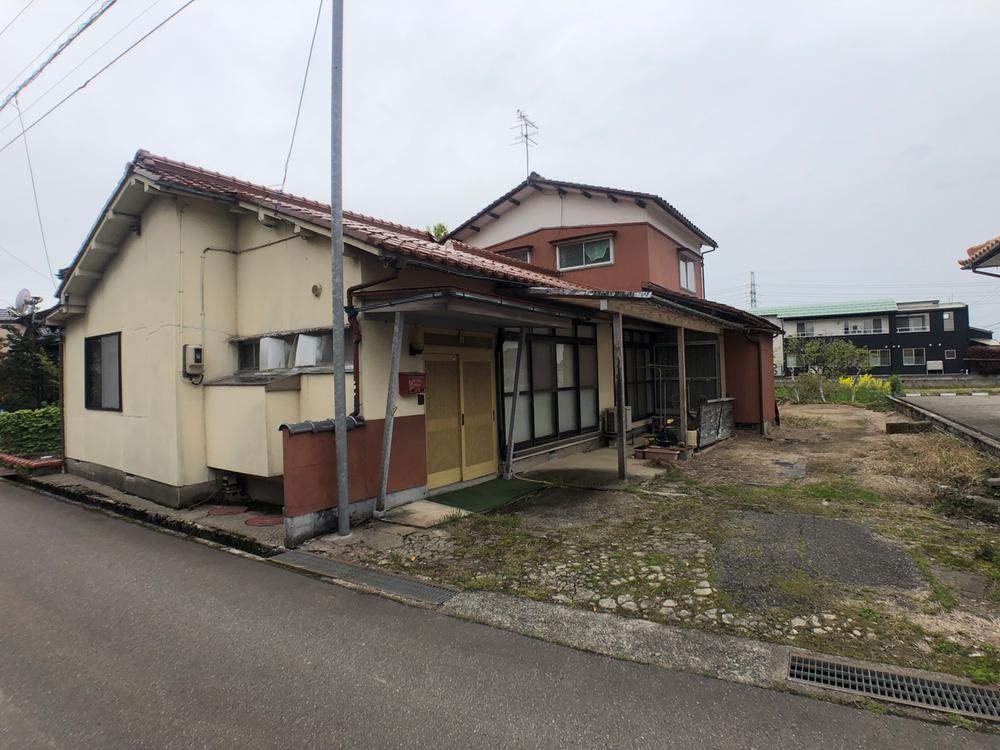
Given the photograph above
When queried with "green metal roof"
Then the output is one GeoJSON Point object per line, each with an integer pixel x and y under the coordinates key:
{"type": "Point", "coordinates": [826, 309]}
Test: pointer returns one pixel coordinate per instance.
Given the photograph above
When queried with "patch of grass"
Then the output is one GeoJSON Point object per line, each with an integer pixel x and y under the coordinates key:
{"type": "Point", "coordinates": [797, 587]}
{"type": "Point", "coordinates": [841, 489]}
{"type": "Point", "coordinates": [939, 592]}
{"type": "Point", "coordinates": [935, 458]}
{"type": "Point", "coordinates": [486, 582]}
{"type": "Point", "coordinates": [873, 706]}
{"type": "Point", "coordinates": [962, 722]}
{"type": "Point", "coordinates": [657, 558]}
{"type": "Point", "coordinates": [870, 615]}
{"type": "Point", "coordinates": [794, 420]}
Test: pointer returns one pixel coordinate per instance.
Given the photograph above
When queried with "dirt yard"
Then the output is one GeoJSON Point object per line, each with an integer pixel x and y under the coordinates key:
{"type": "Point", "coordinates": [827, 533]}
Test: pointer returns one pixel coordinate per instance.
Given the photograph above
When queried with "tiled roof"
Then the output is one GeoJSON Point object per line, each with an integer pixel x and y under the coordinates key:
{"type": "Point", "coordinates": [536, 180]}
{"type": "Point", "coordinates": [385, 235]}
{"type": "Point", "coordinates": [727, 312]}
{"type": "Point", "coordinates": [980, 252]}
{"type": "Point", "coordinates": [833, 308]}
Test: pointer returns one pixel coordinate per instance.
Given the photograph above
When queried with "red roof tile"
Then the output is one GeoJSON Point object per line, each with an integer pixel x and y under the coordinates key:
{"type": "Point", "coordinates": [384, 235]}
{"type": "Point", "coordinates": [979, 252]}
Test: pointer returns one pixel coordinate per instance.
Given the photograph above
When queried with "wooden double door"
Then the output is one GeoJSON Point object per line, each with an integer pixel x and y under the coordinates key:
{"type": "Point", "coordinates": [460, 414]}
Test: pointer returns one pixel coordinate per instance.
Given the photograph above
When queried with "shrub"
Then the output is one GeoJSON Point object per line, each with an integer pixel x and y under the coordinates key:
{"type": "Point", "coordinates": [30, 433]}
{"type": "Point", "coordinates": [895, 385]}
{"type": "Point", "coordinates": [984, 360]}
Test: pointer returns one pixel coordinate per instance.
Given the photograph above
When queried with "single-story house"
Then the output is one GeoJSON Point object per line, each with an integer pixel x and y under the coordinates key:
{"type": "Point", "coordinates": [197, 341]}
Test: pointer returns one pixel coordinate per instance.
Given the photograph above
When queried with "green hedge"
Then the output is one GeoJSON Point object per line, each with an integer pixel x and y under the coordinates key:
{"type": "Point", "coordinates": [31, 432]}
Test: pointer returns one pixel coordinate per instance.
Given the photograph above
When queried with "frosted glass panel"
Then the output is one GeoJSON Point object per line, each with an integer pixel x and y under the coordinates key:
{"type": "Point", "coordinates": [509, 361]}
{"type": "Point", "coordinates": [545, 425]}
{"type": "Point", "coordinates": [521, 427]}
{"type": "Point", "coordinates": [588, 408]}
{"type": "Point", "coordinates": [567, 411]}
{"type": "Point", "coordinates": [565, 369]}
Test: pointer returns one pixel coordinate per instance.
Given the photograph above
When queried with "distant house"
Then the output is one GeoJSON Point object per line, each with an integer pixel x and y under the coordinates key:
{"type": "Point", "coordinates": [902, 338]}
{"type": "Point", "coordinates": [198, 347]}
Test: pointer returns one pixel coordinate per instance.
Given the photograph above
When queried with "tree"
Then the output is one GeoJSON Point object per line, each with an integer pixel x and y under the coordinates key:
{"type": "Point", "coordinates": [828, 357]}
{"type": "Point", "coordinates": [844, 359]}
{"type": "Point", "coordinates": [29, 369]}
{"type": "Point", "coordinates": [439, 230]}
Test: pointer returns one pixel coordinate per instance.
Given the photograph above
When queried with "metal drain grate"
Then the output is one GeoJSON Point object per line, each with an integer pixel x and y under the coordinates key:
{"type": "Point", "coordinates": [416, 590]}
{"type": "Point", "coordinates": [980, 702]}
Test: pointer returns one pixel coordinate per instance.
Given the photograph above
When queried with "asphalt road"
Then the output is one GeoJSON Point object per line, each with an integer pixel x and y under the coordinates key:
{"type": "Point", "coordinates": [978, 412]}
{"type": "Point", "coordinates": [116, 636]}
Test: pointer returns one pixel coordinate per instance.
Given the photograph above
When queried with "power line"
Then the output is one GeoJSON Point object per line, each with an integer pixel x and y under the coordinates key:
{"type": "Point", "coordinates": [302, 94]}
{"type": "Point", "coordinates": [23, 262]}
{"type": "Point", "coordinates": [105, 7]}
{"type": "Point", "coordinates": [34, 193]}
{"type": "Point", "coordinates": [83, 85]}
{"type": "Point", "coordinates": [55, 39]}
{"type": "Point", "coordinates": [80, 64]}
{"type": "Point", "coordinates": [11, 21]}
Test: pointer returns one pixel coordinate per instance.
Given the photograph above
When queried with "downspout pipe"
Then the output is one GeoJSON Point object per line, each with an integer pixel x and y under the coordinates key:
{"type": "Point", "coordinates": [355, 325]}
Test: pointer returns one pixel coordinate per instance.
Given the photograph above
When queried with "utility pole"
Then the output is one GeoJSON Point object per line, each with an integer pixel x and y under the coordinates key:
{"type": "Point", "coordinates": [753, 290]}
{"type": "Point", "coordinates": [526, 132]}
{"type": "Point", "coordinates": [337, 265]}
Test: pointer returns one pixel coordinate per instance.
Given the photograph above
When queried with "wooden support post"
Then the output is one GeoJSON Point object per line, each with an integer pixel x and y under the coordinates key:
{"type": "Point", "coordinates": [618, 357]}
{"type": "Point", "coordinates": [390, 411]}
{"type": "Point", "coordinates": [682, 385]}
{"type": "Point", "coordinates": [508, 466]}
{"type": "Point", "coordinates": [721, 364]}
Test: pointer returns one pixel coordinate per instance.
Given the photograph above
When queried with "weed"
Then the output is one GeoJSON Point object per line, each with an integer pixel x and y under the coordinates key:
{"type": "Point", "coordinates": [486, 582]}
{"type": "Point", "coordinates": [870, 615]}
{"type": "Point", "coordinates": [962, 722]}
{"type": "Point", "coordinates": [939, 592]}
{"type": "Point", "coordinates": [948, 647]}
{"type": "Point", "coordinates": [873, 706]}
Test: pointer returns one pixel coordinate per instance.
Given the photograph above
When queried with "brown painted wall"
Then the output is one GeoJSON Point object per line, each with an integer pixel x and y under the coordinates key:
{"type": "Point", "coordinates": [310, 464]}
{"type": "Point", "coordinates": [745, 376]}
{"type": "Point", "coordinates": [642, 254]}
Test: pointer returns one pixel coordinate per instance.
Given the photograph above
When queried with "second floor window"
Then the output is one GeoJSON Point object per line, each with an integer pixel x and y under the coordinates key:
{"type": "Point", "coordinates": [804, 329]}
{"type": "Point", "coordinates": [911, 323]}
{"type": "Point", "coordinates": [688, 274]}
{"type": "Point", "coordinates": [585, 253]}
{"type": "Point", "coordinates": [523, 254]}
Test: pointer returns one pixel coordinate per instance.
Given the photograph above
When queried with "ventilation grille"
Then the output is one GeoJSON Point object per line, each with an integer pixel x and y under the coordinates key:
{"type": "Point", "coordinates": [979, 702]}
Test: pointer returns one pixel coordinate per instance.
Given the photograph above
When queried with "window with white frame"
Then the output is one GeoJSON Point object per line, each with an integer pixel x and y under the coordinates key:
{"type": "Point", "coordinates": [584, 253]}
{"type": "Point", "coordinates": [950, 354]}
{"type": "Point", "coordinates": [689, 273]}
{"type": "Point", "coordinates": [911, 323]}
{"type": "Point", "coordinates": [914, 357]}
{"type": "Point", "coordinates": [862, 325]}
{"type": "Point", "coordinates": [948, 319]}
{"type": "Point", "coordinates": [879, 358]}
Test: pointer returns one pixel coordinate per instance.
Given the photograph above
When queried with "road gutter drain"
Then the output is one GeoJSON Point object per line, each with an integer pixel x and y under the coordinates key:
{"type": "Point", "coordinates": [970, 700]}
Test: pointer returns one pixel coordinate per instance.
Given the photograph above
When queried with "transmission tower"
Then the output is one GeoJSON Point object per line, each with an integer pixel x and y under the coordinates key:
{"type": "Point", "coordinates": [753, 290]}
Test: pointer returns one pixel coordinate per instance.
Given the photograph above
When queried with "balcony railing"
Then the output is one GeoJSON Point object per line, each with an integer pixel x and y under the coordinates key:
{"type": "Point", "coordinates": [912, 329]}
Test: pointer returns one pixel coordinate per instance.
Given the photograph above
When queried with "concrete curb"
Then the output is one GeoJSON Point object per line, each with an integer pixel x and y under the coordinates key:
{"type": "Point", "coordinates": [969, 435]}
{"type": "Point", "coordinates": [188, 528]}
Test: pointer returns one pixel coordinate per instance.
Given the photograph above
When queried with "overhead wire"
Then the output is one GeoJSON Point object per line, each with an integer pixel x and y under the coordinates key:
{"type": "Point", "coordinates": [18, 15]}
{"type": "Point", "coordinates": [38, 208]}
{"type": "Point", "coordinates": [23, 262]}
{"type": "Point", "coordinates": [101, 70]}
{"type": "Point", "coordinates": [55, 39]}
{"type": "Point", "coordinates": [80, 64]}
{"type": "Point", "coordinates": [302, 94]}
{"type": "Point", "coordinates": [105, 7]}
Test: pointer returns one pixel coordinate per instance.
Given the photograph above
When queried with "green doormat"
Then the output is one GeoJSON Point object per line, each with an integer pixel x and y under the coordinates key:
{"type": "Point", "coordinates": [488, 495]}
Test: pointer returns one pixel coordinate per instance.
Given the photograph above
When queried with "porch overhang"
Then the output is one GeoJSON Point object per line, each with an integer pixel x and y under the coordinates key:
{"type": "Point", "coordinates": [638, 305]}
{"type": "Point", "coordinates": [448, 307]}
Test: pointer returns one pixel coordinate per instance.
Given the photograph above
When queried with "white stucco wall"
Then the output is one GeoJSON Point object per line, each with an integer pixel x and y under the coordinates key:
{"type": "Point", "coordinates": [540, 210]}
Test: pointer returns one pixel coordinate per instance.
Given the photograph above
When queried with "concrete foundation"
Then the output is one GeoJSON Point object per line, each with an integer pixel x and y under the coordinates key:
{"type": "Point", "coordinates": [158, 492]}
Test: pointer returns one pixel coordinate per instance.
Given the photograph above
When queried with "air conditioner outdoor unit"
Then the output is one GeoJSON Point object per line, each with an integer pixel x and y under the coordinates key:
{"type": "Point", "coordinates": [609, 423]}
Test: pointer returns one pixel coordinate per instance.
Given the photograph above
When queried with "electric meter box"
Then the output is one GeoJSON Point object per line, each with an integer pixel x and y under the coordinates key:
{"type": "Point", "coordinates": [193, 360]}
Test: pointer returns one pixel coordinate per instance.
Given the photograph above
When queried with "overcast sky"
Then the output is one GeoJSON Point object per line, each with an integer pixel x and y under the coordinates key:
{"type": "Point", "coordinates": [841, 150]}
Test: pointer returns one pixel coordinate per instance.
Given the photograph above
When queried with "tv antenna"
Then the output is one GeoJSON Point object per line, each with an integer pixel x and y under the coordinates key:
{"type": "Point", "coordinates": [753, 290]}
{"type": "Point", "coordinates": [526, 132]}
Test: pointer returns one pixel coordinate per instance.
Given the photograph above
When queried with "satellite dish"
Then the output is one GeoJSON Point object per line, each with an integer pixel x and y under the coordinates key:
{"type": "Point", "coordinates": [23, 302]}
